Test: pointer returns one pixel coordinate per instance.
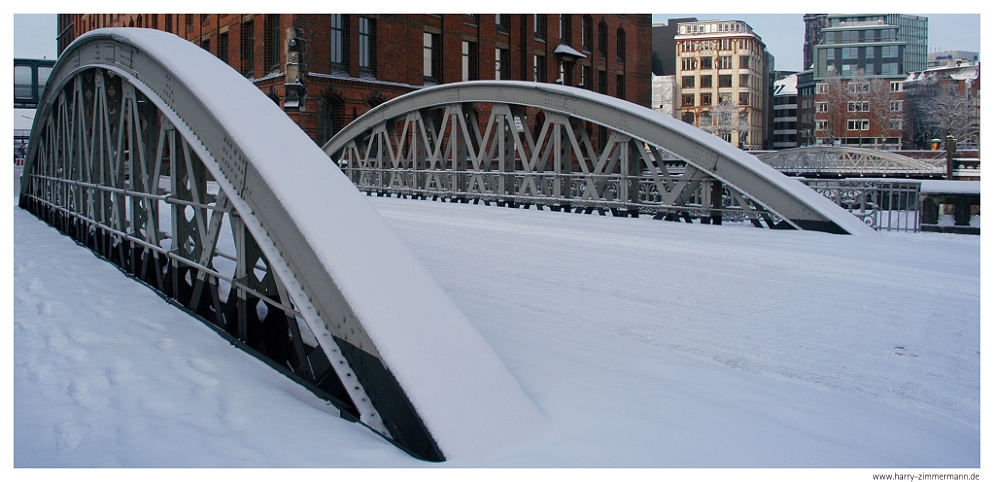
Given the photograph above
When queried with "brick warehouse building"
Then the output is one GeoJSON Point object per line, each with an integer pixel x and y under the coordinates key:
{"type": "Point", "coordinates": [326, 70]}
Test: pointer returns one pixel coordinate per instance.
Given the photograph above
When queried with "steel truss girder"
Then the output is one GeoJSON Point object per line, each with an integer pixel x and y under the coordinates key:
{"type": "Point", "coordinates": [458, 159]}
{"type": "Point", "coordinates": [126, 160]}
{"type": "Point", "coordinates": [141, 199]}
{"type": "Point", "coordinates": [850, 161]}
{"type": "Point", "coordinates": [538, 147]}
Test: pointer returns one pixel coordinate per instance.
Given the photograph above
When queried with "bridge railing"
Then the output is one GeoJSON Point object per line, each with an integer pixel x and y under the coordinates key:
{"type": "Point", "coordinates": [883, 204]}
{"type": "Point", "coordinates": [583, 192]}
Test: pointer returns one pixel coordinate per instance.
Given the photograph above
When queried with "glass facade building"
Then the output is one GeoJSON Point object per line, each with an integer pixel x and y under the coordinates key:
{"type": "Point", "coordinates": [885, 45]}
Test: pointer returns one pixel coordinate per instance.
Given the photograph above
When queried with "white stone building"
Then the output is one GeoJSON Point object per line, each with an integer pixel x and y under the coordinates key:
{"type": "Point", "coordinates": [722, 61]}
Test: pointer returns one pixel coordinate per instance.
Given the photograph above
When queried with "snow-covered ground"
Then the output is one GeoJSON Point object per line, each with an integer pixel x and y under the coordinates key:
{"type": "Point", "coordinates": [643, 343]}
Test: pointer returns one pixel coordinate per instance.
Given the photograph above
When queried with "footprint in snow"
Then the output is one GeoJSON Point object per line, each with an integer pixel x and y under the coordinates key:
{"type": "Point", "coordinates": [46, 308]}
{"type": "Point", "coordinates": [901, 351]}
{"type": "Point", "coordinates": [36, 286]}
{"type": "Point", "coordinates": [69, 435]}
{"type": "Point", "coordinates": [201, 365]}
{"type": "Point", "coordinates": [116, 373]}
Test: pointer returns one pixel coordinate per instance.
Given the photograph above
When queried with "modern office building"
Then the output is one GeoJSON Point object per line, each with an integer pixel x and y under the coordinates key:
{"type": "Point", "coordinates": [724, 62]}
{"type": "Point", "coordinates": [952, 58]}
{"type": "Point", "coordinates": [813, 23]}
{"type": "Point", "coordinates": [886, 45]}
{"type": "Point", "coordinates": [785, 113]}
{"type": "Point", "coordinates": [326, 70]}
{"type": "Point", "coordinates": [876, 50]}
{"type": "Point", "coordinates": [806, 108]}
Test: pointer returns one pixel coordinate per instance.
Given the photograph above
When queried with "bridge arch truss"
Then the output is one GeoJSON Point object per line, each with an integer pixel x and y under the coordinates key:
{"type": "Point", "coordinates": [133, 156]}
{"type": "Point", "coordinates": [524, 143]}
{"type": "Point", "coordinates": [841, 161]}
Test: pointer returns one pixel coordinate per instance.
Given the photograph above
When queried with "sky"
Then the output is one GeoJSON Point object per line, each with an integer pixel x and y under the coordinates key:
{"type": "Point", "coordinates": [784, 33]}
{"type": "Point", "coordinates": [34, 35]}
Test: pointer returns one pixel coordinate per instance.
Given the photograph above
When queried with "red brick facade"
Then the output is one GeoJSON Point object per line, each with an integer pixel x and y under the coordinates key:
{"type": "Point", "coordinates": [608, 53]}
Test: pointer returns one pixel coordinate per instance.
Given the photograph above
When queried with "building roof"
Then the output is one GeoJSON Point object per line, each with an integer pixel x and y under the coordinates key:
{"type": "Point", "coordinates": [786, 85]}
{"type": "Point", "coordinates": [715, 28]}
{"type": "Point", "coordinates": [963, 72]}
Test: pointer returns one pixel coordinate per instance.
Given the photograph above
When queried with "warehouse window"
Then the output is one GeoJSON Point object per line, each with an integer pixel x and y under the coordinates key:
{"type": "Point", "coordinates": [248, 47]}
{"type": "Point", "coordinates": [621, 45]}
{"type": "Point", "coordinates": [222, 47]}
{"type": "Point", "coordinates": [367, 45]}
{"type": "Point", "coordinates": [340, 42]}
{"type": "Point", "coordinates": [432, 57]}
{"type": "Point", "coordinates": [587, 33]}
{"type": "Point", "coordinates": [271, 43]}
{"type": "Point", "coordinates": [470, 61]}
{"type": "Point", "coordinates": [503, 64]}
{"type": "Point", "coordinates": [602, 39]}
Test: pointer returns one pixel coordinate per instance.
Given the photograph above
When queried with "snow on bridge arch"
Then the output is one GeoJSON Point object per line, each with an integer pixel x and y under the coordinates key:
{"type": "Point", "coordinates": [168, 163]}
{"type": "Point", "coordinates": [432, 142]}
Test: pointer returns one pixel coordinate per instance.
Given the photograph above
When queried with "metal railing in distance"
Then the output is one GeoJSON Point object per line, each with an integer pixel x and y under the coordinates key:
{"type": "Point", "coordinates": [883, 204]}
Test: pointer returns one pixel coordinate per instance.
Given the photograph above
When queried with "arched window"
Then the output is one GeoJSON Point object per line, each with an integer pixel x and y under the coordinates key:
{"type": "Point", "coordinates": [587, 33]}
{"type": "Point", "coordinates": [602, 39]}
{"type": "Point", "coordinates": [621, 45]}
{"type": "Point", "coordinates": [565, 28]}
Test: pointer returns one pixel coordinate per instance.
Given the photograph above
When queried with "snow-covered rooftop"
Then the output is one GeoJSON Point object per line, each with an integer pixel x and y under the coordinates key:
{"type": "Point", "coordinates": [786, 85]}
{"type": "Point", "coordinates": [962, 72]}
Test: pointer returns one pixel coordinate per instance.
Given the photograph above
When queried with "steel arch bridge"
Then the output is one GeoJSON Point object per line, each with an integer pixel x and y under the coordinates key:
{"type": "Point", "coordinates": [836, 161]}
{"type": "Point", "coordinates": [524, 143]}
{"type": "Point", "coordinates": [167, 163]}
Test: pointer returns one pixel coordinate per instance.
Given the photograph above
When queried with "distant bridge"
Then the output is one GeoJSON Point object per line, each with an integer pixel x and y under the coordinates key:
{"type": "Point", "coordinates": [527, 143]}
{"type": "Point", "coordinates": [839, 161]}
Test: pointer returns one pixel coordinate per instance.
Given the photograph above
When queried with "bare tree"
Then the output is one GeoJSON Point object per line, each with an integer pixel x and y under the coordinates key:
{"type": "Point", "coordinates": [952, 113]}
{"type": "Point", "coordinates": [935, 109]}
{"type": "Point", "coordinates": [884, 106]}
{"type": "Point", "coordinates": [725, 119]}
{"type": "Point", "coordinates": [856, 100]}
{"type": "Point", "coordinates": [833, 110]}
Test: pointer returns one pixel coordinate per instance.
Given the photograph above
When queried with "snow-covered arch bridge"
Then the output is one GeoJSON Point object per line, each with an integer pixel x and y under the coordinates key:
{"type": "Point", "coordinates": [523, 143]}
{"type": "Point", "coordinates": [166, 162]}
{"type": "Point", "coordinates": [842, 161]}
